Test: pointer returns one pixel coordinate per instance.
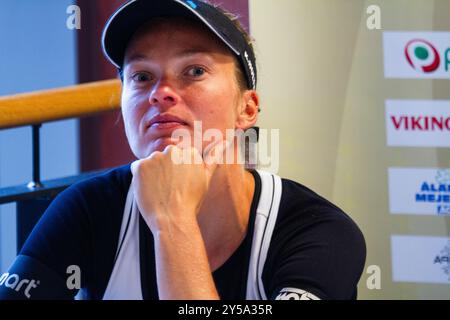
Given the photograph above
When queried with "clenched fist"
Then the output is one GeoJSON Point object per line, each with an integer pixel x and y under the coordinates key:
{"type": "Point", "coordinates": [170, 193]}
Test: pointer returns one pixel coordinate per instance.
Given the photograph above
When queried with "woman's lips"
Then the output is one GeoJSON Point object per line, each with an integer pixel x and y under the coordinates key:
{"type": "Point", "coordinates": [166, 125]}
{"type": "Point", "coordinates": [165, 121]}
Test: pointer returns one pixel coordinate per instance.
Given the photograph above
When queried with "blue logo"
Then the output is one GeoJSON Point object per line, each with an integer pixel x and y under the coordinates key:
{"type": "Point", "coordinates": [437, 192]}
{"type": "Point", "coordinates": [192, 4]}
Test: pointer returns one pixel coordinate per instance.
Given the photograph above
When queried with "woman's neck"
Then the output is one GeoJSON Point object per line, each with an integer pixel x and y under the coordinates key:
{"type": "Point", "coordinates": [224, 214]}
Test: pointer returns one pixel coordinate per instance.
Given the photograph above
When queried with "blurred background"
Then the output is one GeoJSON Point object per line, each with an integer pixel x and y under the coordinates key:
{"type": "Point", "coordinates": [358, 89]}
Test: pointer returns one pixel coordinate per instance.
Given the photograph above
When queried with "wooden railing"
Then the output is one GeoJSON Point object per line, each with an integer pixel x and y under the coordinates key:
{"type": "Point", "coordinates": [58, 104]}
{"type": "Point", "coordinates": [33, 109]}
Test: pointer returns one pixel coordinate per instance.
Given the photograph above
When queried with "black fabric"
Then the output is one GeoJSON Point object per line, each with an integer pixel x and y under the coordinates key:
{"type": "Point", "coordinates": [27, 278]}
{"type": "Point", "coordinates": [148, 265]}
{"type": "Point", "coordinates": [315, 246]}
{"type": "Point", "coordinates": [81, 227]}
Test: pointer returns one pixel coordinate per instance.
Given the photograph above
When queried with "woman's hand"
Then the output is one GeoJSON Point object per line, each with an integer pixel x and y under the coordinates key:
{"type": "Point", "coordinates": [169, 186]}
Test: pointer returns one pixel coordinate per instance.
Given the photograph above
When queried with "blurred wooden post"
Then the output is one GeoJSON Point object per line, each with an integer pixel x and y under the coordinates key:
{"type": "Point", "coordinates": [58, 104]}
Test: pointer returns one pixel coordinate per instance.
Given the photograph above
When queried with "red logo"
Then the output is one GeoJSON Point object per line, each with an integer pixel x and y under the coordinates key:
{"type": "Point", "coordinates": [421, 123]}
{"type": "Point", "coordinates": [422, 55]}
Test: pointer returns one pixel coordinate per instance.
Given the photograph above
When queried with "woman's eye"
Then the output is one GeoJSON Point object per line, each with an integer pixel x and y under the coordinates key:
{"type": "Point", "coordinates": [141, 77]}
{"type": "Point", "coordinates": [196, 71]}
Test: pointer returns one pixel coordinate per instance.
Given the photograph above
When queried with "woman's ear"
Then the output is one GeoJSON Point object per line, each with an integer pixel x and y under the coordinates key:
{"type": "Point", "coordinates": [248, 113]}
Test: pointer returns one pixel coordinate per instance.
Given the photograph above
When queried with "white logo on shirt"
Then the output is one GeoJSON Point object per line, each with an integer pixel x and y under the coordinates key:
{"type": "Point", "coordinates": [295, 294]}
{"type": "Point", "coordinates": [13, 282]}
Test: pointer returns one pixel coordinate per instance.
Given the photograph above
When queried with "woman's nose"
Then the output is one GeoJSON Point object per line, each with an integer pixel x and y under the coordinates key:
{"type": "Point", "coordinates": [163, 95]}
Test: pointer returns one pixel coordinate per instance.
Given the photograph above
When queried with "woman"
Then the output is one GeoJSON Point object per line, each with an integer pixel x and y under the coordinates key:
{"type": "Point", "coordinates": [197, 229]}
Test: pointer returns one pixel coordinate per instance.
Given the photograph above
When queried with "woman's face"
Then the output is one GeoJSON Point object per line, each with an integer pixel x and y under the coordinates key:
{"type": "Point", "coordinates": [176, 73]}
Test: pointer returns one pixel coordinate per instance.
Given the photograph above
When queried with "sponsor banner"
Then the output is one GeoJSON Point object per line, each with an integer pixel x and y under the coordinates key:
{"type": "Point", "coordinates": [416, 54]}
{"type": "Point", "coordinates": [419, 191]}
{"type": "Point", "coordinates": [418, 123]}
{"type": "Point", "coordinates": [420, 259]}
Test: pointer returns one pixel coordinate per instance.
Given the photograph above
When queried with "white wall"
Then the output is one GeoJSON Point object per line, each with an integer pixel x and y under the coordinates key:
{"type": "Point", "coordinates": [37, 51]}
